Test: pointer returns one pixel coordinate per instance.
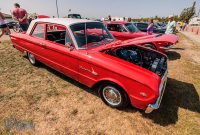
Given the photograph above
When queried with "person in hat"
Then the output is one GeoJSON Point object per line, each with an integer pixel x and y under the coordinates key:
{"type": "Point", "coordinates": [171, 26]}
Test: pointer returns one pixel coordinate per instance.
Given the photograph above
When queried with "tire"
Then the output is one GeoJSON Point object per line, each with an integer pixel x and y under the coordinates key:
{"type": "Point", "coordinates": [151, 46]}
{"type": "Point", "coordinates": [32, 59]}
{"type": "Point", "coordinates": [17, 28]}
{"type": "Point", "coordinates": [113, 95]}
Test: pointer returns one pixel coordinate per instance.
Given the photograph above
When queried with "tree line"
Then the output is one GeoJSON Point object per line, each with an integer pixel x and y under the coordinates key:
{"type": "Point", "coordinates": [185, 16]}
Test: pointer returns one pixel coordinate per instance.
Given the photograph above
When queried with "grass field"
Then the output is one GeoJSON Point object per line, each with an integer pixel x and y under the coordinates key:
{"type": "Point", "coordinates": [39, 100]}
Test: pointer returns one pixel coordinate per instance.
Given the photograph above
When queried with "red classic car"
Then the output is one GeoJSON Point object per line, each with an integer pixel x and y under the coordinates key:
{"type": "Point", "coordinates": [128, 31]}
{"type": "Point", "coordinates": [122, 73]}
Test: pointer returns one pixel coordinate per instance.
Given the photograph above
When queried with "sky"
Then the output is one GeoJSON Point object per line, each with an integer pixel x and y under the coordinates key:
{"type": "Point", "coordinates": [102, 8]}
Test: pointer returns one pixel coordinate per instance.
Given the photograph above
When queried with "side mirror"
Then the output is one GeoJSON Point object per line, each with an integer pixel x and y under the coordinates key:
{"type": "Point", "coordinates": [69, 46]}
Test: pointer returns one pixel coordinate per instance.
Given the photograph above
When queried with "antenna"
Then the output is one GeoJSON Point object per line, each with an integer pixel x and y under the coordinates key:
{"type": "Point", "coordinates": [57, 8]}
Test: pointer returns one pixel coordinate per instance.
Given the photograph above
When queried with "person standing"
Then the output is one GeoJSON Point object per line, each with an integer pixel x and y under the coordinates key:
{"type": "Point", "coordinates": [3, 26]}
{"type": "Point", "coordinates": [20, 15]}
{"type": "Point", "coordinates": [109, 18]}
{"type": "Point", "coordinates": [129, 19]}
{"type": "Point", "coordinates": [150, 27]}
{"type": "Point", "coordinates": [184, 26]}
{"type": "Point", "coordinates": [181, 25]}
{"type": "Point", "coordinates": [171, 26]}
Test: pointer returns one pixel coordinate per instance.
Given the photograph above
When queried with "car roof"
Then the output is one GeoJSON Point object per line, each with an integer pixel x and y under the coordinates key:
{"type": "Point", "coordinates": [62, 21]}
{"type": "Point", "coordinates": [115, 22]}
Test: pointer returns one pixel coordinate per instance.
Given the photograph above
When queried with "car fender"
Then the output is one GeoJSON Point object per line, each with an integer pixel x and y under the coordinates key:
{"type": "Point", "coordinates": [111, 80]}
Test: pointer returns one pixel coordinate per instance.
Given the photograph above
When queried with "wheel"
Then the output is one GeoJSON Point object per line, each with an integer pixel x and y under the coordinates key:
{"type": "Point", "coordinates": [113, 95]}
{"type": "Point", "coordinates": [17, 28]}
{"type": "Point", "coordinates": [150, 46]}
{"type": "Point", "coordinates": [32, 59]}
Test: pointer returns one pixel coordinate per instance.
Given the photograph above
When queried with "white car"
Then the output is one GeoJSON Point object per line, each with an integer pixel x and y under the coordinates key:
{"type": "Point", "coordinates": [195, 21]}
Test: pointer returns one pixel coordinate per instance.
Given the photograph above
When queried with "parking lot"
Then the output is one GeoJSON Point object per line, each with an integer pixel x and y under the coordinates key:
{"type": "Point", "coordinates": [44, 101]}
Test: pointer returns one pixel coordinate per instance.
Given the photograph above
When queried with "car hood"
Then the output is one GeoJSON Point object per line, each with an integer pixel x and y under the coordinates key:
{"type": "Point", "coordinates": [170, 38]}
{"type": "Point", "coordinates": [139, 33]}
{"type": "Point", "coordinates": [119, 43]}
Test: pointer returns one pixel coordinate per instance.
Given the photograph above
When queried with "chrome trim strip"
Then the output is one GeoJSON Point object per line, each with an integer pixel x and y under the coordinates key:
{"type": "Point", "coordinates": [166, 48]}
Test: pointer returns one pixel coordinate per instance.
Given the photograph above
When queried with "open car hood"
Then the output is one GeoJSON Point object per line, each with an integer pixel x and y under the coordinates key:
{"type": "Point", "coordinates": [119, 43]}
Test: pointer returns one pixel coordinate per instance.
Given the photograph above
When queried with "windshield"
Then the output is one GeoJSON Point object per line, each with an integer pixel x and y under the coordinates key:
{"type": "Point", "coordinates": [74, 16]}
{"type": "Point", "coordinates": [91, 34]}
{"type": "Point", "coordinates": [131, 27]}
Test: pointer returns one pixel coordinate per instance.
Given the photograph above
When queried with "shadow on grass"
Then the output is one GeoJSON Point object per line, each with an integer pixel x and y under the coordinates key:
{"type": "Point", "coordinates": [172, 55]}
{"type": "Point", "coordinates": [68, 79]}
{"type": "Point", "coordinates": [177, 95]}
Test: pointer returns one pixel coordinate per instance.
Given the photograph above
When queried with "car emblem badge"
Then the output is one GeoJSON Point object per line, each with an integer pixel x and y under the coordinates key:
{"type": "Point", "coordinates": [91, 71]}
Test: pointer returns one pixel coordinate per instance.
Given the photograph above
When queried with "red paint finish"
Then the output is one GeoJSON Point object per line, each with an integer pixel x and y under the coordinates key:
{"type": "Point", "coordinates": [161, 42]}
{"type": "Point", "coordinates": [92, 66]}
{"type": "Point", "coordinates": [42, 16]}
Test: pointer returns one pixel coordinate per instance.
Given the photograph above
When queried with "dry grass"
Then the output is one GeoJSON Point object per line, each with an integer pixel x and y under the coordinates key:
{"type": "Point", "coordinates": [55, 104]}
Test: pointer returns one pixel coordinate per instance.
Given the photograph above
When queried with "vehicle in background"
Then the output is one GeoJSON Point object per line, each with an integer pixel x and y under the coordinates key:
{"type": "Point", "coordinates": [118, 18]}
{"type": "Point", "coordinates": [195, 21]}
{"type": "Point", "coordinates": [76, 16]}
{"type": "Point", "coordinates": [42, 16]}
{"type": "Point", "coordinates": [87, 52]}
{"type": "Point", "coordinates": [17, 28]}
{"type": "Point", "coordinates": [161, 24]}
{"type": "Point", "coordinates": [10, 23]}
{"type": "Point", "coordinates": [143, 27]}
{"type": "Point", "coordinates": [128, 32]}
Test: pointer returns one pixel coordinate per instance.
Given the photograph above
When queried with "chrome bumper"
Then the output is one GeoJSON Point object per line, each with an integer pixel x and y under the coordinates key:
{"type": "Point", "coordinates": [166, 48]}
{"type": "Point", "coordinates": [152, 107]}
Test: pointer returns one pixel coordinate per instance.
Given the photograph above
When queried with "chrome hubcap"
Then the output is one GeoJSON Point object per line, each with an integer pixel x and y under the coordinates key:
{"type": "Point", "coordinates": [31, 58]}
{"type": "Point", "coordinates": [112, 95]}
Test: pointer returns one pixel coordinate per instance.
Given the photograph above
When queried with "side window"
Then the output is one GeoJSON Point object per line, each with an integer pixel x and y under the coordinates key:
{"type": "Point", "coordinates": [39, 31]}
{"type": "Point", "coordinates": [112, 27]}
{"type": "Point", "coordinates": [68, 39]}
{"type": "Point", "coordinates": [57, 33]}
{"type": "Point", "coordinates": [116, 27]}
{"type": "Point", "coordinates": [142, 25]}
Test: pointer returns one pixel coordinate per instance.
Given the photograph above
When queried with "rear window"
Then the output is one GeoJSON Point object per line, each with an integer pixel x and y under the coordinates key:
{"type": "Point", "coordinates": [116, 27]}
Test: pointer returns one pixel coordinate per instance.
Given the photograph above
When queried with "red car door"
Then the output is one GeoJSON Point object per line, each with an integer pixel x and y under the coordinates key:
{"type": "Point", "coordinates": [57, 55]}
{"type": "Point", "coordinates": [34, 42]}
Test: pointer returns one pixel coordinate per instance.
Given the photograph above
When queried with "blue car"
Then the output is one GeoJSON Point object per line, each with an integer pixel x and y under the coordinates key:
{"type": "Point", "coordinates": [142, 26]}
